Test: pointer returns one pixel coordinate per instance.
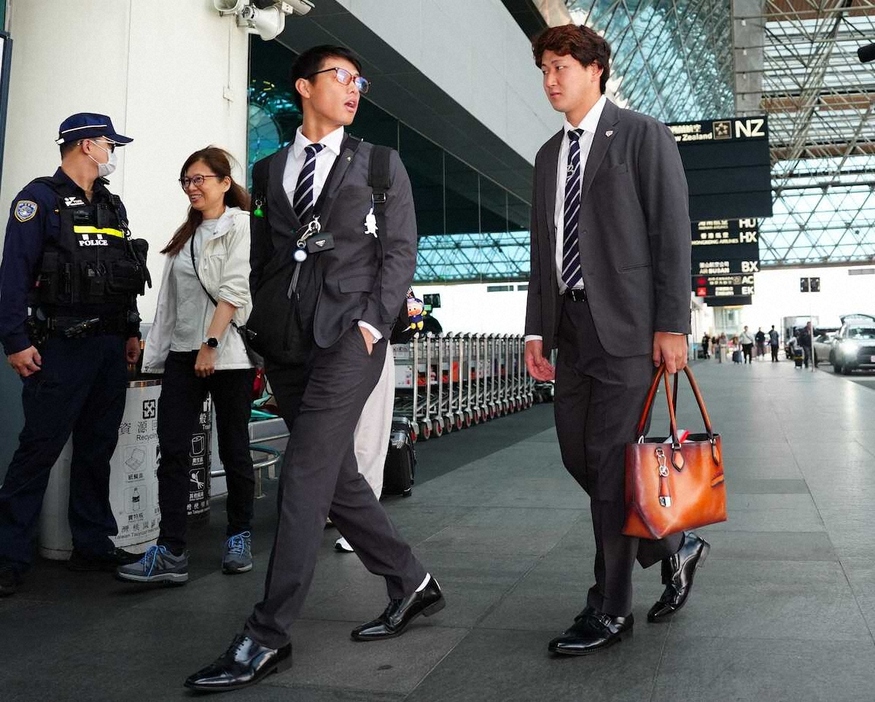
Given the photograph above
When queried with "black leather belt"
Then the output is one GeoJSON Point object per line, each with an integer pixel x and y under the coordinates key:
{"type": "Point", "coordinates": [576, 294]}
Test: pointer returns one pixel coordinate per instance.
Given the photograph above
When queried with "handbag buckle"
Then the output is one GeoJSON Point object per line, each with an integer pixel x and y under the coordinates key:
{"type": "Point", "coordinates": [660, 459]}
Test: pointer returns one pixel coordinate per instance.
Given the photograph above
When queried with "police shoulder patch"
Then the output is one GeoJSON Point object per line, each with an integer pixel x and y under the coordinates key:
{"type": "Point", "coordinates": [25, 210]}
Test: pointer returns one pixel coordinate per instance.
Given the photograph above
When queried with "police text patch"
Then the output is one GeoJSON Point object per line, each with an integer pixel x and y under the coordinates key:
{"type": "Point", "coordinates": [25, 210]}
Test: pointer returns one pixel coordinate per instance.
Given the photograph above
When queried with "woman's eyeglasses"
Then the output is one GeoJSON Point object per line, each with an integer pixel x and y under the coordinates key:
{"type": "Point", "coordinates": [344, 77]}
{"type": "Point", "coordinates": [197, 181]}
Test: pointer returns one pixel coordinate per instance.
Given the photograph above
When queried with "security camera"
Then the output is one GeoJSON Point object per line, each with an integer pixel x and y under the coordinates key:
{"type": "Point", "coordinates": [267, 23]}
{"type": "Point", "coordinates": [300, 7]}
{"type": "Point", "coordinates": [228, 7]}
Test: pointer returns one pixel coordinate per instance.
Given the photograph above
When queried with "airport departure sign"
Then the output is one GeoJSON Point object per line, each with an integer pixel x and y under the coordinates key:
{"type": "Point", "coordinates": [727, 165]}
{"type": "Point", "coordinates": [725, 258]}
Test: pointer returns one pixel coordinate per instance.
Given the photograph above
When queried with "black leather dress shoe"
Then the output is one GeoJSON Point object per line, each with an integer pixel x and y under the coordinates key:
{"type": "Point", "coordinates": [244, 663]}
{"type": "Point", "coordinates": [401, 612]}
{"type": "Point", "coordinates": [677, 576]}
{"type": "Point", "coordinates": [106, 562]}
{"type": "Point", "coordinates": [592, 632]}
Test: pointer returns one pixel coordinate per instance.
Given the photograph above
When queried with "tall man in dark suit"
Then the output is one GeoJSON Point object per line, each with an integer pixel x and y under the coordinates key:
{"type": "Point", "coordinates": [350, 289]}
{"type": "Point", "coordinates": [610, 290]}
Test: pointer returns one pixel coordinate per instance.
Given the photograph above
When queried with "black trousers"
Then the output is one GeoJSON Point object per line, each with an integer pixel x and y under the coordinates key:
{"type": "Point", "coordinates": [179, 406]}
{"type": "Point", "coordinates": [746, 350]}
{"type": "Point", "coordinates": [80, 390]}
{"type": "Point", "coordinates": [597, 404]}
{"type": "Point", "coordinates": [774, 348]}
{"type": "Point", "coordinates": [322, 400]}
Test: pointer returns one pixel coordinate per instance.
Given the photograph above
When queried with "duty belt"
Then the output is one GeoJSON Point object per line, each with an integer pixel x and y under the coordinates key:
{"type": "Point", "coordinates": [79, 327]}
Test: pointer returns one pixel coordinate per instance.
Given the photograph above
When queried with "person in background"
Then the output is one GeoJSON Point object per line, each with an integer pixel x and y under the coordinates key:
{"type": "Point", "coordinates": [774, 342]}
{"type": "Point", "coordinates": [760, 340]}
{"type": "Point", "coordinates": [706, 340]}
{"type": "Point", "coordinates": [69, 257]}
{"type": "Point", "coordinates": [193, 342]}
{"type": "Point", "coordinates": [804, 341]}
{"type": "Point", "coordinates": [746, 341]}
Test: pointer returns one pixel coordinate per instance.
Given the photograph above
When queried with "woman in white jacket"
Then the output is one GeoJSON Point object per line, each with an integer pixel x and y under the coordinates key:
{"type": "Point", "coordinates": [195, 345]}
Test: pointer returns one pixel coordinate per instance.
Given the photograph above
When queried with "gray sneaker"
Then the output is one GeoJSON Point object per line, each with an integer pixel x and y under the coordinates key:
{"type": "Point", "coordinates": [238, 554]}
{"type": "Point", "coordinates": [158, 565]}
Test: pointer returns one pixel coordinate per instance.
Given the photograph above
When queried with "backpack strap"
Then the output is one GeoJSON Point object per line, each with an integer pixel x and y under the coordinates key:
{"type": "Point", "coordinates": [380, 181]}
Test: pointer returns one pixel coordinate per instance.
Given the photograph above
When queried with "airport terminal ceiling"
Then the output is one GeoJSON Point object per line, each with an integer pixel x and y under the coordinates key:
{"type": "Point", "coordinates": [793, 60]}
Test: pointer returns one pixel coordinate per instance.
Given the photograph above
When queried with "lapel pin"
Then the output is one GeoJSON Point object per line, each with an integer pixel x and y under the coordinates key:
{"type": "Point", "coordinates": [609, 132]}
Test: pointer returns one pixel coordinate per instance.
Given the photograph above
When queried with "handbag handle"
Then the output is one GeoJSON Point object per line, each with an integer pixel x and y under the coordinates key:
{"type": "Point", "coordinates": [671, 398]}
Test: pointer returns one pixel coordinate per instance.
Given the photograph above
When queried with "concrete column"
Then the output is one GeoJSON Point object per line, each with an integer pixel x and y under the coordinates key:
{"type": "Point", "coordinates": [172, 75]}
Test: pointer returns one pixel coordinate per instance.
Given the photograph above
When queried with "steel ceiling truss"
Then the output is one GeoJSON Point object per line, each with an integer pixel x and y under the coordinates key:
{"type": "Point", "coordinates": [674, 60]}
{"type": "Point", "coordinates": [819, 99]}
{"type": "Point", "coordinates": [473, 257]}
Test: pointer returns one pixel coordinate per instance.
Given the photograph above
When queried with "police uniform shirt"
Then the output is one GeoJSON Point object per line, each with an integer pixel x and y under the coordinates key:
{"type": "Point", "coordinates": [33, 222]}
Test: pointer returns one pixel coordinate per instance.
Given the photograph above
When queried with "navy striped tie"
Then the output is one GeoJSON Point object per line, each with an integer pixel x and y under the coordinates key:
{"type": "Point", "coordinates": [571, 274]}
{"type": "Point", "coordinates": [302, 202]}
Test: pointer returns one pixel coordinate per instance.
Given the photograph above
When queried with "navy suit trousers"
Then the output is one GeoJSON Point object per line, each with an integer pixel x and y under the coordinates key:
{"type": "Point", "coordinates": [80, 391]}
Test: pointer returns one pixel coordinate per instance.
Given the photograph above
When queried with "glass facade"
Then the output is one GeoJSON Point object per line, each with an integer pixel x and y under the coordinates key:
{"type": "Point", "coordinates": [470, 228]}
{"type": "Point", "coordinates": [674, 61]}
{"type": "Point", "coordinates": [670, 60]}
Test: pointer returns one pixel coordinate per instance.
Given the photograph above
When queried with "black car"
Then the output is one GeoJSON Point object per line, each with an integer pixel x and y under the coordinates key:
{"type": "Point", "coordinates": [854, 346]}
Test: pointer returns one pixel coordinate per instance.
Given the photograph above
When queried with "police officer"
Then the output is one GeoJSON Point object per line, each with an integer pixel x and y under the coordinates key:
{"type": "Point", "coordinates": [69, 279]}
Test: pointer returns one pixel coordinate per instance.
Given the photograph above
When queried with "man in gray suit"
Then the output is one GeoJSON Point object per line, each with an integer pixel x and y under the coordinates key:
{"type": "Point", "coordinates": [609, 289]}
{"type": "Point", "coordinates": [349, 289]}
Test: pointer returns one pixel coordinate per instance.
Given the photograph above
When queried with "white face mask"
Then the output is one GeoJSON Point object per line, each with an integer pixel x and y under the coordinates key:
{"type": "Point", "coordinates": [105, 169]}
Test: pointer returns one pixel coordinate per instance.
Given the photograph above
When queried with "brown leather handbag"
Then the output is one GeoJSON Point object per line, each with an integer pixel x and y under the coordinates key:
{"type": "Point", "coordinates": [673, 485]}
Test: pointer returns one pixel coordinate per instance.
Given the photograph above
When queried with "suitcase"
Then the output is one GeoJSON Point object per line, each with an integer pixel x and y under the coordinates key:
{"type": "Point", "coordinates": [400, 466]}
{"type": "Point", "coordinates": [736, 357]}
{"type": "Point", "coordinates": [798, 356]}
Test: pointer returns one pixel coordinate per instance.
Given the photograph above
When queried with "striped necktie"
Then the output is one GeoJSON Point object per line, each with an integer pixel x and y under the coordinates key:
{"type": "Point", "coordinates": [571, 274]}
{"type": "Point", "coordinates": [302, 202]}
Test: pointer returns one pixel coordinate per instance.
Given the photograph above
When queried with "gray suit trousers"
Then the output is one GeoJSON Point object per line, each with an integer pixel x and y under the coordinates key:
{"type": "Point", "coordinates": [597, 404]}
{"type": "Point", "coordinates": [320, 478]}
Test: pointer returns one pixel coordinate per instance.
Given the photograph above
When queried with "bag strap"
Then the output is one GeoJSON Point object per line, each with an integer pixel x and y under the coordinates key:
{"type": "Point", "coordinates": [194, 265]}
{"type": "Point", "coordinates": [662, 374]}
{"type": "Point", "coordinates": [380, 182]}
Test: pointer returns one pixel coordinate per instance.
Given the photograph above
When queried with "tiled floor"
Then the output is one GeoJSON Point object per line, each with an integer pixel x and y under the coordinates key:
{"type": "Point", "coordinates": [781, 611]}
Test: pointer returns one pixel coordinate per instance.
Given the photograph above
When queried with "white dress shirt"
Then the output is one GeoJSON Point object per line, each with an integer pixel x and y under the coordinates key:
{"type": "Point", "coordinates": [324, 162]}
{"type": "Point", "coordinates": [588, 124]}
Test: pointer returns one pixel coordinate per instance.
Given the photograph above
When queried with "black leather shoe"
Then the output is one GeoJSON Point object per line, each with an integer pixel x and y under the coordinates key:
{"type": "Point", "coordinates": [244, 663]}
{"type": "Point", "coordinates": [106, 562]}
{"type": "Point", "coordinates": [677, 576]}
{"type": "Point", "coordinates": [401, 612]}
{"type": "Point", "coordinates": [592, 632]}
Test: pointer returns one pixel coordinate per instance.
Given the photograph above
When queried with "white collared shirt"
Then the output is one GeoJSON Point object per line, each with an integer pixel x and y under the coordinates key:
{"type": "Point", "coordinates": [588, 124]}
{"type": "Point", "coordinates": [324, 161]}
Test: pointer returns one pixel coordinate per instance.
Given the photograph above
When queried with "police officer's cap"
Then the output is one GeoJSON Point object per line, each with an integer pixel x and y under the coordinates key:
{"type": "Point", "coordinates": [89, 125]}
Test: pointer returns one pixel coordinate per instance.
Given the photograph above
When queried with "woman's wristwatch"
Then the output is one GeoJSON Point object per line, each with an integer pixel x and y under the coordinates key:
{"type": "Point", "coordinates": [212, 342]}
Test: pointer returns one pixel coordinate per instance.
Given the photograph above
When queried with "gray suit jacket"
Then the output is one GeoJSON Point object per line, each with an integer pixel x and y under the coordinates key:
{"type": "Point", "coordinates": [635, 238]}
{"type": "Point", "coordinates": [362, 278]}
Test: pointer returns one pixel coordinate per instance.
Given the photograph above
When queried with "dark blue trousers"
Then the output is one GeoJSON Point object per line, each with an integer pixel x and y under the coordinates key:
{"type": "Point", "coordinates": [80, 391]}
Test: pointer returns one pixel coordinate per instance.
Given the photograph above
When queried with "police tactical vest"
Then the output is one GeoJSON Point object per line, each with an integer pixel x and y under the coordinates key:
{"type": "Point", "coordinates": [94, 266]}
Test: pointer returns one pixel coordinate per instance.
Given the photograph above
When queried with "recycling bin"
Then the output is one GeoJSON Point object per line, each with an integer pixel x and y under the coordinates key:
{"type": "Point", "coordinates": [133, 482]}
